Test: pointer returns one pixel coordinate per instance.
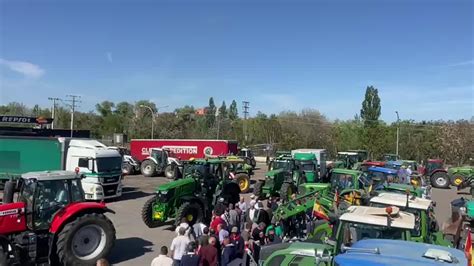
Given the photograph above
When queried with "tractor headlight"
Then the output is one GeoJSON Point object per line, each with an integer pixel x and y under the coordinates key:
{"type": "Point", "coordinates": [462, 210]}
{"type": "Point", "coordinates": [269, 176]}
{"type": "Point", "coordinates": [164, 192]}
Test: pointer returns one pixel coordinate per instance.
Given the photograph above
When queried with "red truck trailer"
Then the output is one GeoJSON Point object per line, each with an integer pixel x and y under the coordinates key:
{"type": "Point", "coordinates": [183, 149]}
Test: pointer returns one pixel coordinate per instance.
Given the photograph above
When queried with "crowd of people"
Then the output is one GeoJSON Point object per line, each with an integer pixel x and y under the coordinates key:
{"type": "Point", "coordinates": [234, 236]}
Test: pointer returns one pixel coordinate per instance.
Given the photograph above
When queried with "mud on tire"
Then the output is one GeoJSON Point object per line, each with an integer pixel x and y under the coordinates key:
{"type": "Point", "coordinates": [75, 243]}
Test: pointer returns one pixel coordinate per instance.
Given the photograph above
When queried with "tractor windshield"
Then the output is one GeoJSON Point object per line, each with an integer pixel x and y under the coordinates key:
{"type": "Point", "coordinates": [307, 165]}
{"type": "Point", "coordinates": [341, 181]}
{"type": "Point", "coordinates": [353, 232]}
{"type": "Point", "coordinates": [433, 166]}
{"type": "Point", "coordinates": [286, 165]}
{"type": "Point", "coordinates": [51, 196]}
{"type": "Point", "coordinates": [109, 164]}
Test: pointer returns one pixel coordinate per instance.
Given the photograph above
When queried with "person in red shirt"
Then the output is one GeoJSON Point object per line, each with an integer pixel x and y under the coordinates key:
{"type": "Point", "coordinates": [209, 254]}
{"type": "Point", "coordinates": [216, 220]}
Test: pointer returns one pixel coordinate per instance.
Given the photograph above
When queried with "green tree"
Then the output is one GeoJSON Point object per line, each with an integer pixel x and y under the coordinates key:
{"type": "Point", "coordinates": [211, 112]}
{"type": "Point", "coordinates": [223, 110]}
{"type": "Point", "coordinates": [233, 112]}
{"type": "Point", "coordinates": [371, 108]}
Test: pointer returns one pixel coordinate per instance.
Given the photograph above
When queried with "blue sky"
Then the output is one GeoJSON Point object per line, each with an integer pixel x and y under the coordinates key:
{"type": "Point", "coordinates": [279, 55]}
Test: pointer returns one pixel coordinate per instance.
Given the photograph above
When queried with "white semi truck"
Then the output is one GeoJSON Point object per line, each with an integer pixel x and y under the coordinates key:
{"type": "Point", "coordinates": [101, 166]}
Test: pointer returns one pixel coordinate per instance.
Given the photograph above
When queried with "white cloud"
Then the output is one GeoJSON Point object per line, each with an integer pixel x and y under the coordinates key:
{"type": "Point", "coordinates": [27, 69]}
{"type": "Point", "coordinates": [463, 63]}
{"type": "Point", "coordinates": [109, 57]}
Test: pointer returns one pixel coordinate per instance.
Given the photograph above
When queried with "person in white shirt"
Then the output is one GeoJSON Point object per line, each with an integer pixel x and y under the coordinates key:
{"type": "Point", "coordinates": [184, 224]}
{"type": "Point", "coordinates": [162, 259]}
{"type": "Point", "coordinates": [178, 246]}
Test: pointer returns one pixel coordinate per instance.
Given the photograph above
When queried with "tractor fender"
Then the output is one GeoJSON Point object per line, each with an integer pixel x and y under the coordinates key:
{"type": "Point", "coordinates": [172, 160]}
{"type": "Point", "coordinates": [194, 200]}
{"type": "Point", "coordinates": [439, 171]}
{"type": "Point", "coordinates": [151, 159]}
{"type": "Point", "coordinates": [73, 210]}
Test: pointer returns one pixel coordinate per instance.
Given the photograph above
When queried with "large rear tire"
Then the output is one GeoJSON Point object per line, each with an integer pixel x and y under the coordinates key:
{"type": "Point", "coordinates": [458, 179]}
{"type": "Point", "coordinates": [3, 255]}
{"type": "Point", "coordinates": [258, 189]}
{"type": "Point", "coordinates": [287, 189]}
{"type": "Point", "coordinates": [147, 214]}
{"type": "Point", "coordinates": [193, 213]}
{"type": "Point", "coordinates": [127, 169]}
{"type": "Point", "coordinates": [8, 192]}
{"type": "Point", "coordinates": [85, 239]}
{"type": "Point", "coordinates": [440, 180]}
{"type": "Point", "coordinates": [148, 168]}
{"type": "Point", "coordinates": [243, 180]}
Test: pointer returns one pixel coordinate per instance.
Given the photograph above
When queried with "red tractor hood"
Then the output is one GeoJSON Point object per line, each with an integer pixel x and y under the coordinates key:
{"type": "Point", "coordinates": [73, 209]}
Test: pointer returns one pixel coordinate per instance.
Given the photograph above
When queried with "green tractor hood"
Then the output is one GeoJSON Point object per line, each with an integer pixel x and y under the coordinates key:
{"type": "Point", "coordinates": [470, 209]}
{"type": "Point", "coordinates": [175, 184]}
{"type": "Point", "coordinates": [275, 172]}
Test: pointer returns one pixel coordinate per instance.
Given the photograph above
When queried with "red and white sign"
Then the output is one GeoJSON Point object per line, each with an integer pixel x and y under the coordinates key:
{"type": "Point", "coordinates": [183, 148]}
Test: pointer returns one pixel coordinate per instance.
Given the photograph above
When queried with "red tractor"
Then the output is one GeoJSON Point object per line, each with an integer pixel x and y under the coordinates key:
{"type": "Point", "coordinates": [50, 222]}
{"type": "Point", "coordinates": [437, 174]}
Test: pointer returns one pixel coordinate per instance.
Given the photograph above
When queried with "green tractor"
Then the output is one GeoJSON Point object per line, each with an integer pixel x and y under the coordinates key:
{"type": "Point", "coordinates": [194, 196]}
{"type": "Point", "coordinates": [363, 155]}
{"type": "Point", "coordinates": [358, 222]}
{"type": "Point", "coordinates": [390, 157]}
{"type": "Point", "coordinates": [286, 173]}
{"type": "Point", "coordinates": [426, 227]}
{"type": "Point", "coordinates": [459, 175]}
{"type": "Point", "coordinates": [347, 160]}
{"type": "Point", "coordinates": [238, 170]}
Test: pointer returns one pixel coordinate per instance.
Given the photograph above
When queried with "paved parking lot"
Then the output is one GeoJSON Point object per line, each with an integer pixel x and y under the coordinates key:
{"type": "Point", "coordinates": [137, 244]}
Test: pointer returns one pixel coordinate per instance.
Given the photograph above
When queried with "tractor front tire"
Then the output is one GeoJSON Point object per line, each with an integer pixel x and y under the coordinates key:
{"type": "Point", "coordinates": [3, 254]}
{"type": "Point", "coordinates": [440, 180]}
{"type": "Point", "coordinates": [127, 169]}
{"type": "Point", "coordinates": [147, 214]}
{"type": "Point", "coordinates": [258, 189]}
{"type": "Point", "coordinates": [458, 180]}
{"type": "Point", "coordinates": [85, 239]}
{"type": "Point", "coordinates": [169, 171]}
{"type": "Point", "coordinates": [192, 212]}
{"type": "Point", "coordinates": [148, 168]}
{"type": "Point", "coordinates": [287, 189]}
{"type": "Point", "coordinates": [243, 180]}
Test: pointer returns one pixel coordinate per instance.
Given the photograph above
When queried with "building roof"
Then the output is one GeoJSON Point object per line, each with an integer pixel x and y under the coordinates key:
{"type": "Point", "coordinates": [399, 252]}
{"type": "Point", "coordinates": [378, 216]}
{"type": "Point", "coordinates": [50, 175]}
{"type": "Point", "coordinates": [400, 200]}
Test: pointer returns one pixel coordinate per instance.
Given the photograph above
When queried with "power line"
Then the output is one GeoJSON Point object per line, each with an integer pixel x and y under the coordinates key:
{"type": "Point", "coordinates": [246, 107]}
{"type": "Point", "coordinates": [53, 109]}
{"type": "Point", "coordinates": [74, 100]}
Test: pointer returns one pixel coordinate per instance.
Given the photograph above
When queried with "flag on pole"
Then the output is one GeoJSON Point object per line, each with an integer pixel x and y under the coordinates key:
{"type": "Point", "coordinates": [468, 248]}
{"type": "Point", "coordinates": [319, 212]}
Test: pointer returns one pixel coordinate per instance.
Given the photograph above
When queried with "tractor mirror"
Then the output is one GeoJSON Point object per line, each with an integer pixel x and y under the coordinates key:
{"type": "Point", "coordinates": [90, 164]}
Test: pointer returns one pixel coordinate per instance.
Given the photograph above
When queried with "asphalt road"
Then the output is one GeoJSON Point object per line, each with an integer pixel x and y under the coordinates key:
{"type": "Point", "coordinates": [137, 244]}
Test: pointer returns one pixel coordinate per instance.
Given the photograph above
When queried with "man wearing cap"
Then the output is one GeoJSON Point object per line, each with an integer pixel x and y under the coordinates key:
{"type": "Point", "coordinates": [238, 242]}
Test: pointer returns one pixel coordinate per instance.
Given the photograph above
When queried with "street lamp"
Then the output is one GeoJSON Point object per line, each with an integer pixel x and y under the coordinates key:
{"type": "Point", "coordinates": [398, 130]}
{"type": "Point", "coordinates": [152, 116]}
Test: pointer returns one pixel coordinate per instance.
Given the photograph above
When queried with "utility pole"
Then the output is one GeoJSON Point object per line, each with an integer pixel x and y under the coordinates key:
{"type": "Point", "coordinates": [246, 107]}
{"type": "Point", "coordinates": [218, 121]}
{"type": "Point", "coordinates": [53, 109]}
{"type": "Point", "coordinates": [398, 130]}
{"type": "Point", "coordinates": [73, 104]}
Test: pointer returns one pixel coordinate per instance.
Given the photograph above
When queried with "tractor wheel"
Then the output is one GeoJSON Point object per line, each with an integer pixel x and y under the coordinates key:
{"type": "Point", "coordinates": [147, 214]}
{"type": "Point", "coordinates": [243, 180]}
{"type": "Point", "coordinates": [169, 171]}
{"type": "Point", "coordinates": [148, 168]}
{"type": "Point", "coordinates": [458, 179]}
{"type": "Point", "coordinates": [302, 180]}
{"type": "Point", "coordinates": [85, 239]}
{"type": "Point", "coordinates": [193, 212]}
{"type": "Point", "coordinates": [3, 255]}
{"type": "Point", "coordinates": [8, 192]}
{"type": "Point", "coordinates": [440, 180]}
{"type": "Point", "coordinates": [127, 169]}
{"type": "Point", "coordinates": [258, 190]}
{"type": "Point", "coordinates": [287, 189]}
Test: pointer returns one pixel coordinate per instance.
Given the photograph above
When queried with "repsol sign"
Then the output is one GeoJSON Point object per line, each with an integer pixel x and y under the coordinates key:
{"type": "Point", "coordinates": [25, 119]}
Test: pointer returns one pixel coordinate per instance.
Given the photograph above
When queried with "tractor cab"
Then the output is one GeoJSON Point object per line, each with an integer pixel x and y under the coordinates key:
{"type": "Point", "coordinates": [248, 156]}
{"type": "Point", "coordinates": [45, 193]}
{"type": "Point", "coordinates": [362, 155]}
{"type": "Point", "coordinates": [425, 222]}
{"type": "Point", "coordinates": [348, 160]}
{"type": "Point", "coordinates": [390, 157]}
{"type": "Point", "coordinates": [307, 164]}
{"type": "Point", "coordinates": [433, 165]}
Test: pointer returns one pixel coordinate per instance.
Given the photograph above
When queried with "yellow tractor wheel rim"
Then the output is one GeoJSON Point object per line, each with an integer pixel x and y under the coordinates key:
{"type": "Point", "coordinates": [290, 192]}
{"type": "Point", "coordinates": [243, 184]}
{"type": "Point", "coordinates": [189, 217]}
{"type": "Point", "coordinates": [457, 181]}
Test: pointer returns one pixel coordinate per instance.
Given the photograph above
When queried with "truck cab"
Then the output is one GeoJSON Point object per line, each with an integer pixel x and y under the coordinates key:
{"type": "Point", "coordinates": [101, 166]}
